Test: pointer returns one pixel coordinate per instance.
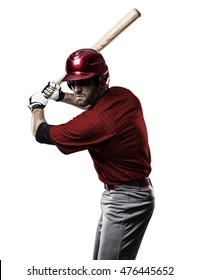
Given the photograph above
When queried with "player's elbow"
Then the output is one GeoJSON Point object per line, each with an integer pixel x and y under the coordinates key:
{"type": "Point", "coordinates": [42, 134]}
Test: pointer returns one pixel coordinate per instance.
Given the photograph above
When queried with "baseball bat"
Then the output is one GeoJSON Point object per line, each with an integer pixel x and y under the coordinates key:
{"type": "Point", "coordinates": [117, 29]}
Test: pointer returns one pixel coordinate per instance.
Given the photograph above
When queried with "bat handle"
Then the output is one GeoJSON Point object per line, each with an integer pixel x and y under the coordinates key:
{"type": "Point", "coordinates": [58, 82]}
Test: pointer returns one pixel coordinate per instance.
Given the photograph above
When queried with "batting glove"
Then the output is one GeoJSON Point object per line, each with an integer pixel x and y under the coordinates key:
{"type": "Point", "coordinates": [53, 91]}
{"type": "Point", "coordinates": [37, 100]}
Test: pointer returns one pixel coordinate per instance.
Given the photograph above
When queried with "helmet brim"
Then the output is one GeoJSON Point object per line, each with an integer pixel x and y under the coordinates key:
{"type": "Point", "coordinates": [77, 76]}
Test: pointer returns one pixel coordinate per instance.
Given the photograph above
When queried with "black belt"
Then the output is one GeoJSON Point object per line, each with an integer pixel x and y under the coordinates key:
{"type": "Point", "coordinates": [140, 183]}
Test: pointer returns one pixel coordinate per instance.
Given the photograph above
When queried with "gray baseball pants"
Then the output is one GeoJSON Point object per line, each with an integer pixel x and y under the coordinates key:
{"type": "Point", "coordinates": [126, 212]}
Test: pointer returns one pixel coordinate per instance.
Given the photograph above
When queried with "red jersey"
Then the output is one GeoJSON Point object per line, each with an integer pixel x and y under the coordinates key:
{"type": "Point", "coordinates": [114, 133]}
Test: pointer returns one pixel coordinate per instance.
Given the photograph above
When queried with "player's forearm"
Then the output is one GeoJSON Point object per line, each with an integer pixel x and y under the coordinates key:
{"type": "Point", "coordinates": [69, 98]}
{"type": "Point", "coordinates": [37, 119]}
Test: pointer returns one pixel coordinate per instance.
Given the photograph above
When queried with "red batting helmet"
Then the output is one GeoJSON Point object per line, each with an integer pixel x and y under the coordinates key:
{"type": "Point", "coordinates": [84, 64]}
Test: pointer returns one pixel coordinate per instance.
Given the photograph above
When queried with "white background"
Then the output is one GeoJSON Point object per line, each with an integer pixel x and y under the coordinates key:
{"type": "Point", "coordinates": [50, 203]}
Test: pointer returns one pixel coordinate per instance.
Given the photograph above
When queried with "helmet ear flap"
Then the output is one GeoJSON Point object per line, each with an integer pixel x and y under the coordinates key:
{"type": "Point", "coordinates": [104, 79]}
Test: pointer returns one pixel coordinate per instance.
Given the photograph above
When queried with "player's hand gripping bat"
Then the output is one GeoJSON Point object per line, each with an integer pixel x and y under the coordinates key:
{"type": "Point", "coordinates": [117, 29]}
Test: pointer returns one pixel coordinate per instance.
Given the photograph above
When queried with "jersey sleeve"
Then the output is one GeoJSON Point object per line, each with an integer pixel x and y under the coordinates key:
{"type": "Point", "coordinates": [81, 133]}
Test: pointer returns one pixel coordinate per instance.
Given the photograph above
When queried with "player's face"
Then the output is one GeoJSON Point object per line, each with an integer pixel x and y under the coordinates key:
{"type": "Point", "coordinates": [86, 91]}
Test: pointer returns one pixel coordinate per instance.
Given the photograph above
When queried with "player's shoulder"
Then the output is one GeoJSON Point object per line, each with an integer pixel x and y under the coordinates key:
{"type": "Point", "coordinates": [121, 90]}
{"type": "Point", "coordinates": [123, 93]}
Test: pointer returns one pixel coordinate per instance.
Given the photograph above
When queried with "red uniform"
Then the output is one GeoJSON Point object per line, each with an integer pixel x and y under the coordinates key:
{"type": "Point", "coordinates": [113, 130]}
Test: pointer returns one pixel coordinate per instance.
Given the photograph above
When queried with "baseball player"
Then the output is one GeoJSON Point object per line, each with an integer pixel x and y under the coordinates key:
{"type": "Point", "coordinates": [113, 130]}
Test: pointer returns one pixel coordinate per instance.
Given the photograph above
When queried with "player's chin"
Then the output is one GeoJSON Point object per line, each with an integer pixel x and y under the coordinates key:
{"type": "Point", "coordinates": [82, 103]}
